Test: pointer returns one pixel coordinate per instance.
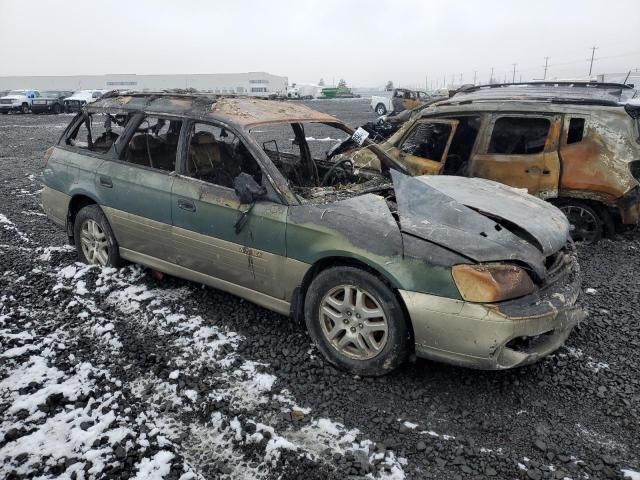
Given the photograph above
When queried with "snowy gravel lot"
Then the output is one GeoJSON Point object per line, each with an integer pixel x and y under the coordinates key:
{"type": "Point", "coordinates": [113, 374]}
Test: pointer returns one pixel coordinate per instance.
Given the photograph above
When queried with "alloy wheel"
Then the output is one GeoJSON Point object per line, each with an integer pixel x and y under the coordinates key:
{"type": "Point", "coordinates": [585, 226]}
{"type": "Point", "coordinates": [94, 243]}
{"type": "Point", "coordinates": [353, 322]}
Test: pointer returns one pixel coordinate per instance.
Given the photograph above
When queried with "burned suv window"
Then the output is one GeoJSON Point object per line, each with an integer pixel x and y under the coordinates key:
{"type": "Point", "coordinates": [519, 135]}
{"type": "Point", "coordinates": [427, 140]}
{"type": "Point", "coordinates": [154, 143]}
{"type": "Point", "coordinates": [218, 156]}
{"type": "Point", "coordinates": [97, 132]}
{"type": "Point", "coordinates": [576, 130]}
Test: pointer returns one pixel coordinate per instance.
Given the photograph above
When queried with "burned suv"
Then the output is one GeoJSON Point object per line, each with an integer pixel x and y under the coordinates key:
{"type": "Point", "coordinates": [576, 145]}
{"type": "Point", "coordinates": [241, 194]}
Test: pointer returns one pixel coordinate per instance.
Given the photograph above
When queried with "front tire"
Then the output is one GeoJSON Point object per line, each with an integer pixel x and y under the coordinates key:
{"type": "Point", "coordinates": [381, 109]}
{"type": "Point", "coordinates": [94, 239]}
{"type": "Point", "coordinates": [24, 108]}
{"type": "Point", "coordinates": [56, 108]}
{"type": "Point", "coordinates": [356, 321]}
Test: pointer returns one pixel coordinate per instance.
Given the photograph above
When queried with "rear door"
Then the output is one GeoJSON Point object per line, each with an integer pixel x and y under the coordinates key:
{"type": "Point", "coordinates": [520, 151]}
{"type": "Point", "coordinates": [135, 188]}
{"type": "Point", "coordinates": [206, 212]}
{"type": "Point", "coordinates": [424, 147]}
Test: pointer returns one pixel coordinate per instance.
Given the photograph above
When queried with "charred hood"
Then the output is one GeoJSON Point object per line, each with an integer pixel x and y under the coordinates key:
{"type": "Point", "coordinates": [480, 219]}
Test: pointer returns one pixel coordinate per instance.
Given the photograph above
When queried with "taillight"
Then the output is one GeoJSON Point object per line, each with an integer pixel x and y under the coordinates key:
{"type": "Point", "coordinates": [47, 155]}
{"type": "Point", "coordinates": [634, 167]}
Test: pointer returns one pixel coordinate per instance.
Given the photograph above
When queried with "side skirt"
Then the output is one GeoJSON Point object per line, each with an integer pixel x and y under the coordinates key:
{"type": "Point", "coordinates": [266, 301]}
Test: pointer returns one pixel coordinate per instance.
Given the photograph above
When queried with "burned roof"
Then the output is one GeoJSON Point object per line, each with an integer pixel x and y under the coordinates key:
{"type": "Point", "coordinates": [590, 93]}
{"type": "Point", "coordinates": [243, 111]}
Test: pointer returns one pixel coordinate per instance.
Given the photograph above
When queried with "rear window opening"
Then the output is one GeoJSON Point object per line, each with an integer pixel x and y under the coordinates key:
{"type": "Point", "coordinates": [97, 132]}
{"type": "Point", "coordinates": [519, 135]}
{"type": "Point", "coordinates": [576, 130]}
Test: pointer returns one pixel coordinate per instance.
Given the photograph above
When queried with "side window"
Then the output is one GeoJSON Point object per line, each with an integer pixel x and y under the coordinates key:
{"type": "Point", "coordinates": [97, 132]}
{"type": "Point", "coordinates": [216, 155]}
{"type": "Point", "coordinates": [154, 143]}
{"type": "Point", "coordinates": [519, 135]}
{"type": "Point", "coordinates": [576, 130]}
{"type": "Point", "coordinates": [427, 140]}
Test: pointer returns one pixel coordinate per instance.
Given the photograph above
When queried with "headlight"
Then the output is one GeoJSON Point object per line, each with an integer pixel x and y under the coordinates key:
{"type": "Point", "coordinates": [492, 282]}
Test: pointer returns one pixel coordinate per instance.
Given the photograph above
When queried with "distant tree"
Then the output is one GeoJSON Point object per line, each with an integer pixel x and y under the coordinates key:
{"type": "Point", "coordinates": [321, 82]}
{"type": "Point", "coordinates": [389, 86]}
{"type": "Point", "coordinates": [342, 83]}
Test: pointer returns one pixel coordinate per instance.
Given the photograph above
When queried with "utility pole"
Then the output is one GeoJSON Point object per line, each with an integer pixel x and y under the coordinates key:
{"type": "Point", "coordinates": [513, 80]}
{"type": "Point", "coordinates": [593, 52]}
{"type": "Point", "coordinates": [491, 77]}
{"type": "Point", "coordinates": [453, 79]}
{"type": "Point", "coordinates": [546, 65]}
{"type": "Point", "coordinates": [426, 83]}
{"type": "Point", "coordinates": [460, 79]}
{"type": "Point", "coordinates": [475, 76]}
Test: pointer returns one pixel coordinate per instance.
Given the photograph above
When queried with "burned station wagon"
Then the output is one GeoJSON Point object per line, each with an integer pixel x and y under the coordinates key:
{"type": "Point", "coordinates": [576, 145]}
{"type": "Point", "coordinates": [242, 194]}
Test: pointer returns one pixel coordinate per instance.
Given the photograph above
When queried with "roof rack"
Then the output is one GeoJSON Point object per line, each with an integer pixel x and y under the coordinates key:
{"type": "Point", "coordinates": [544, 83]}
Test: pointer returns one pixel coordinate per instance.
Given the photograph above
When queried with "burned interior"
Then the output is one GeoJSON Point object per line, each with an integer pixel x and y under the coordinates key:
{"type": "Point", "coordinates": [308, 156]}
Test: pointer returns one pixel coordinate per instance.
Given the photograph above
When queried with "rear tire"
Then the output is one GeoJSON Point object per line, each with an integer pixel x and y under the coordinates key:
{"type": "Point", "coordinates": [94, 239]}
{"type": "Point", "coordinates": [24, 108]}
{"type": "Point", "coordinates": [56, 108]}
{"type": "Point", "coordinates": [381, 109]}
{"type": "Point", "coordinates": [587, 224]}
{"type": "Point", "coordinates": [356, 321]}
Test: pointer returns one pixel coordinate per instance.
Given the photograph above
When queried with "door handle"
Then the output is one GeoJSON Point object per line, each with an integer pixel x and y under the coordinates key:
{"type": "Point", "coordinates": [186, 205]}
{"type": "Point", "coordinates": [106, 182]}
{"type": "Point", "coordinates": [546, 172]}
{"type": "Point", "coordinates": [534, 170]}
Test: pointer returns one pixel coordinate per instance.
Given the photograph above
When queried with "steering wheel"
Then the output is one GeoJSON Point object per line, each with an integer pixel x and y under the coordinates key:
{"type": "Point", "coordinates": [333, 169]}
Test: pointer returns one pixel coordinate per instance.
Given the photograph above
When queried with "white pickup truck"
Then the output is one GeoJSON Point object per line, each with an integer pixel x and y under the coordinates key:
{"type": "Point", "coordinates": [80, 98]}
{"type": "Point", "coordinates": [398, 100]}
{"type": "Point", "coordinates": [18, 101]}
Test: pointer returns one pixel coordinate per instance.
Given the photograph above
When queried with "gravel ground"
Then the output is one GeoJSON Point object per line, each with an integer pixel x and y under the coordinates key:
{"type": "Point", "coordinates": [115, 374]}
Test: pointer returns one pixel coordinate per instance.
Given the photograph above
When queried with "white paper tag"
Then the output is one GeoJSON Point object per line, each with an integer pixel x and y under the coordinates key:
{"type": "Point", "coordinates": [359, 136]}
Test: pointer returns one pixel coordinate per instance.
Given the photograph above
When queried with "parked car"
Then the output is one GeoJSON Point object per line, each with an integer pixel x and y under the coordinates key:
{"type": "Point", "coordinates": [18, 101]}
{"type": "Point", "coordinates": [378, 264]}
{"type": "Point", "coordinates": [575, 145]}
{"type": "Point", "coordinates": [398, 100]}
{"type": "Point", "coordinates": [49, 101]}
{"type": "Point", "coordinates": [80, 98]}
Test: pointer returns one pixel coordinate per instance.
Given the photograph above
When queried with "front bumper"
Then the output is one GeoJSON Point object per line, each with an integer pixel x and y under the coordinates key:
{"type": "Point", "coordinates": [35, 108]}
{"type": "Point", "coordinates": [14, 107]}
{"type": "Point", "coordinates": [496, 336]}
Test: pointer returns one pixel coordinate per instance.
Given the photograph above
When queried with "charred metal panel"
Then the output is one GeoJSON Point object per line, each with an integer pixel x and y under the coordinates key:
{"type": "Point", "coordinates": [428, 213]}
{"type": "Point", "coordinates": [364, 229]}
{"type": "Point", "coordinates": [543, 221]}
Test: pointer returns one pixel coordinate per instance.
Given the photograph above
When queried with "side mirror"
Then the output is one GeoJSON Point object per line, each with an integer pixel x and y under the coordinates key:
{"type": "Point", "coordinates": [247, 189]}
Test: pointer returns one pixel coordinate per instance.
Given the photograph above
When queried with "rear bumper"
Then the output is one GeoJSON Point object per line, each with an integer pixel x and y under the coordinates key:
{"type": "Point", "coordinates": [495, 336]}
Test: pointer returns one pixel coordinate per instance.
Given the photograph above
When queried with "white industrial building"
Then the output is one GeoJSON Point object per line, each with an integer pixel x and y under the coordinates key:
{"type": "Point", "coordinates": [252, 83]}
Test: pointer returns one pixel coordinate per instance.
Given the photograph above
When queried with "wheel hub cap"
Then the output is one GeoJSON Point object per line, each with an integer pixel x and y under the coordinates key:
{"type": "Point", "coordinates": [353, 322]}
{"type": "Point", "coordinates": [94, 243]}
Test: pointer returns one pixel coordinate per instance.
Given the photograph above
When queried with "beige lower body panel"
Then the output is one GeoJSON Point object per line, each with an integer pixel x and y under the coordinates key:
{"type": "Point", "coordinates": [271, 303]}
{"type": "Point", "coordinates": [56, 205]}
{"type": "Point", "coordinates": [475, 335]}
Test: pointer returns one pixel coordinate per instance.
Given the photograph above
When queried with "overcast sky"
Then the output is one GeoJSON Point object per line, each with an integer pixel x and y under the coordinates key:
{"type": "Point", "coordinates": [364, 42]}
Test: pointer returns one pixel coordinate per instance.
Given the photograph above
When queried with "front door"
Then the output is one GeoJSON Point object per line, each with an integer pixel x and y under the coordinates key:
{"type": "Point", "coordinates": [424, 148]}
{"type": "Point", "coordinates": [208, 236]}
{"type": "Point", "coordinates": [521, 151]}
